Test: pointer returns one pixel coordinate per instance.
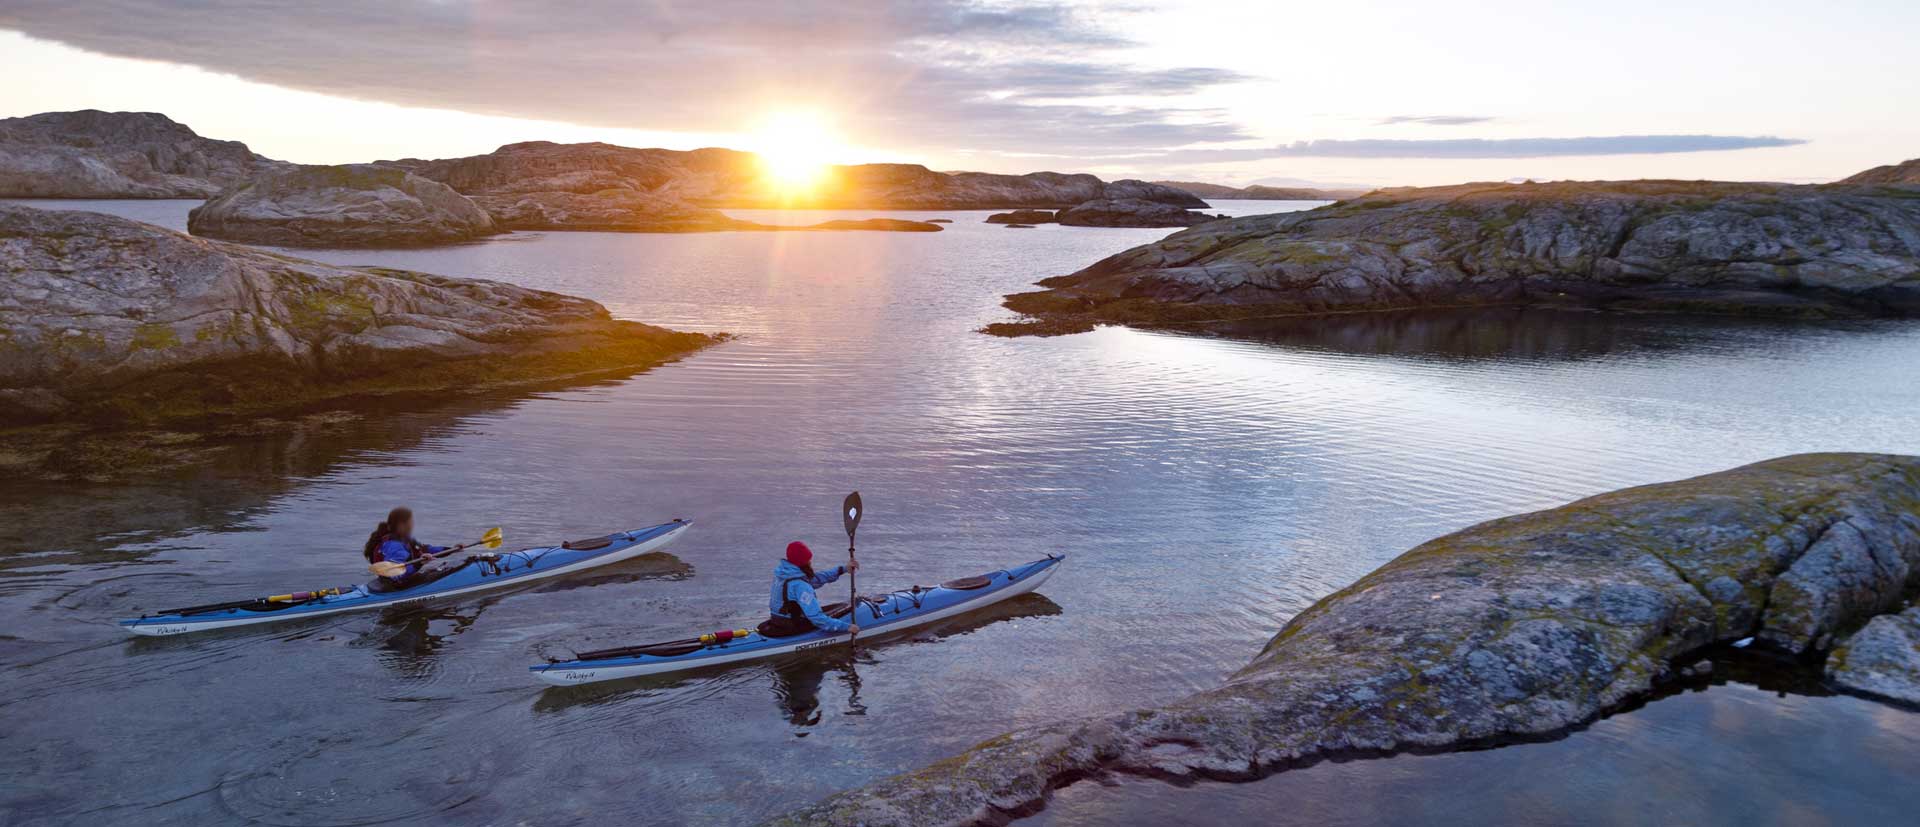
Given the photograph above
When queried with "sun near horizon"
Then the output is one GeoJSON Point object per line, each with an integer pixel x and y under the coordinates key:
{"type": "Point", "coordinates": [796, 148]}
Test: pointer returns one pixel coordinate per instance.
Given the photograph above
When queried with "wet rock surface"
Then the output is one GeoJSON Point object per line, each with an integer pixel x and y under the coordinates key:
{"type": "Point", "coordinates": [110, 320]}
{"type": "Point", "coordinates": [95, 154]}
{"type": "Point", "coordinates": [1882, 659]}
{"type": "Point", "coordinates": [1517, 627]}
{"type": "Point", "coordinates": [354, 205]}
{"type": "Point", "coordinates": [1708, 247]}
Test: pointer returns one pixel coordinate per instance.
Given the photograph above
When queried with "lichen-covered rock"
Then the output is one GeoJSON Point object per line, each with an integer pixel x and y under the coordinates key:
{"type": "Point", "coordinates": [94, 154]}
{"type": "Point", "coordinates": [353, 205]}
{"type": "Point", "coordinates": [1882, 660]}
{"type": "Point", "coordinates": [103, 318]}
{"type": "Point", "coordinates": [1668, 245]}
{"type": "Point", "coordinates": [1131, 212]}
{"type": "Point", "coordinates": [1022, 217]}
{"type": "Point", "coordinates": [1905, 173]}
{"type": "Point", "coordinates": [1520, 626]}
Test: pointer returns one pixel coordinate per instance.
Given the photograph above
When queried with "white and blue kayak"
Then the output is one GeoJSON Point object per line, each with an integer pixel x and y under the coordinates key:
{"type": "Point", "coordinates": [477, 573]}
{"type": "Point", "coordinates": [876, 615]}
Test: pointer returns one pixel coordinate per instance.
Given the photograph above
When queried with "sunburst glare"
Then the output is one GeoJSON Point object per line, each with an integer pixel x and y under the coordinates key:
{"type": "Point", "coordinates": [795, 149]}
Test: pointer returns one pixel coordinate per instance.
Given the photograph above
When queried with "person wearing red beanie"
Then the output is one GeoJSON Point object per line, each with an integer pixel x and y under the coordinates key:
{"type": "Point", "coordinates": [794, 606]}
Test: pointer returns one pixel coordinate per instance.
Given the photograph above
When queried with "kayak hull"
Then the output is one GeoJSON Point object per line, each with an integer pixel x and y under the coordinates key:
{"type": "Point", "coordinates": [516, 568]}
{"type": "Point", "coordinates": [898, 611]}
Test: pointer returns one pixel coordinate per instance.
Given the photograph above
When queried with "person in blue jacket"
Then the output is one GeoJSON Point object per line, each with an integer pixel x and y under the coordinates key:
{"type": "Point", "coordinates": [392, 541]}
{"type": "Point", "coordinates": [794, 605]}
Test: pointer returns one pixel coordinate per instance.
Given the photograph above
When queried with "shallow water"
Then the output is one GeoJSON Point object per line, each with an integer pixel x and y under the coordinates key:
{"type": "Point", "coordinates": [1206, 486]}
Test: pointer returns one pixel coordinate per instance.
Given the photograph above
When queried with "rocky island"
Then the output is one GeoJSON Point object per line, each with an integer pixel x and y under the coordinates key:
{"type": "Point", "coordinates": [533, 185]}
{"type": "Point", "coordinates": [1131, 212]}
{"type": "Point", "coordinates": [354, 205]}
{"type": "Point", "coordinates": [1518, 627]}
{"type": "Point", "coordinates": [111, 321]}
{"type": "Point", "coordinates": [1776, 249]}
{"type": "Point", "coordinates": [1107, 212]}
{"type": "Point", "coordinates": [597, 186]}
{"type": "Point", "coordinates": [94, 154]}
{"type": "Point", "coordinates": [1261, 192]}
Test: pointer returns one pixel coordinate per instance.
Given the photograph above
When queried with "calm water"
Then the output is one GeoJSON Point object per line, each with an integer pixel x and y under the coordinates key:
{"type": "Point", "coordinates": [1746, 752]}
{"type": "Point", "coordinates": [1205, 486]}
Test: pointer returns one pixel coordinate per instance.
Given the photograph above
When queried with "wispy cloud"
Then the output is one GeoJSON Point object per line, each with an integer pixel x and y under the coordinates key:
{"type": "Point", "coordinates": [961, 74]}
{"type": "Point", "coordinates": [1485, 148]}
{"type": "Point", "coordinates": [1434, 120]}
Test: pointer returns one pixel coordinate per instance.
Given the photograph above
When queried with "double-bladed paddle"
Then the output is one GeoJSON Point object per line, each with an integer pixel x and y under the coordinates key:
{"type": "Point", "coordinates": [388, 568]}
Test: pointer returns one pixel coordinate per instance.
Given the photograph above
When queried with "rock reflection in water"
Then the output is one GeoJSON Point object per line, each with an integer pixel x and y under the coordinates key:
{"type": "Point", "coordinates": [1513, 333]}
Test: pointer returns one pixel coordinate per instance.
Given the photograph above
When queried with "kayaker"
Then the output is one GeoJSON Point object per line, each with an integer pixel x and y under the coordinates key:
{"type": "Point", "coordinates": [392, 541]}
{"type": "Point", "coordinates": [794, 605]}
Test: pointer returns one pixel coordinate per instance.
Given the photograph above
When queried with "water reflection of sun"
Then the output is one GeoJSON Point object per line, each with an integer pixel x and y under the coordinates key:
{"type": "Point", "coordinates": [795, 149]}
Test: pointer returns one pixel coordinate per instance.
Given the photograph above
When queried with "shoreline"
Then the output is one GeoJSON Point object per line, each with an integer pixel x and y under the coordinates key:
{"type": "Point", "coordinates": [1522, 626]}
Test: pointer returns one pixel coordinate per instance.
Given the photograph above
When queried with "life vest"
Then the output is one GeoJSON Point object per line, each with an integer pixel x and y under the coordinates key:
{"type": "Point", "coordinates": [791, 619]}
{"type": "Point", "coordinates": [414, 548]}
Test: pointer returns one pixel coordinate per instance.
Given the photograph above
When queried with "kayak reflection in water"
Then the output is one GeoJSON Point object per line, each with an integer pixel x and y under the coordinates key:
{"type": "Point", "coordinates": [392, 542]}
{"type": "Point", "coordinates": [794, 606]}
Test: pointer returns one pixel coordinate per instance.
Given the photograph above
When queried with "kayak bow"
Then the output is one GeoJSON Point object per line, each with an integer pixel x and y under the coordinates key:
{"type": "Point", "coordinates": [481, 573]}
{"type": "Point", "coordinates": [887, 613]}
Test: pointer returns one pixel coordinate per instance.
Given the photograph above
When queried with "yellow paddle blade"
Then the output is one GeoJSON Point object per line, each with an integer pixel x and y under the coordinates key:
{"type": "Point", "coordinates": [387, 568]}
{"type": "Point", "coordinates": [493, 538]}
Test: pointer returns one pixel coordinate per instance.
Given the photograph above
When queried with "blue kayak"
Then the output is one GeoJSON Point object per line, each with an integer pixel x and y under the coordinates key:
{"type": "Point", "coordinates": [478, 573]}
{"type": "Point", "coordinates": [875, 615]}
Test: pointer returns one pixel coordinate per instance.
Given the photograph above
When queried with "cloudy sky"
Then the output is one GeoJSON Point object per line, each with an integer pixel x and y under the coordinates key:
{"type": "Point", "coordinates": [1358, 91]}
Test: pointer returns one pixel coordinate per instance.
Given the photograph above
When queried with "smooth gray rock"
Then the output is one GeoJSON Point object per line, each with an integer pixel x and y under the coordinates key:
{"type": "Point", "coordinates": [107, 319]}
{"type": "Point", "coordinates": [1520, 626]}
{"type": "Point", "coordinates": [94, 154]}
{"type": "Point", "coordinates": [1649, 245]}
{"type": "Point", "coordinates": [1882, 659]}
{"type": "Point", "coordinates": [354, 205]}
{"type": "Point", "coordinates": [1131, 212]}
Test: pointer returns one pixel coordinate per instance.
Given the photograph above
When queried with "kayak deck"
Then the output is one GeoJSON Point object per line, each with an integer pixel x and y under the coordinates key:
{"type": "Point", "coordinates": [473, 575]}
{"type": "Point", "coordinates": [876, 615]}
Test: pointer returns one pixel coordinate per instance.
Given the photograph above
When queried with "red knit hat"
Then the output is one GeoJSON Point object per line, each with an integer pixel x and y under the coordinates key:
{"type": "Point", "coordinates": [798, 553]}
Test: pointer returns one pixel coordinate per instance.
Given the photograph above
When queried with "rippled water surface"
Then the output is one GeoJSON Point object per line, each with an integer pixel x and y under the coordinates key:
{"type": "Point", "coordinates": [1206, 486]}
